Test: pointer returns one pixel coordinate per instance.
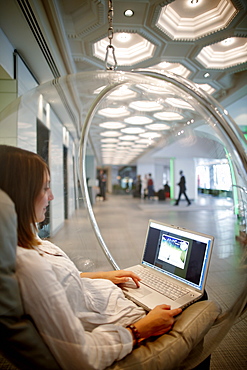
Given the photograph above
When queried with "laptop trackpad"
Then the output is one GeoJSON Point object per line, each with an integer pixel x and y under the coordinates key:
{"type": "Point", "coordinates": [140, 292]}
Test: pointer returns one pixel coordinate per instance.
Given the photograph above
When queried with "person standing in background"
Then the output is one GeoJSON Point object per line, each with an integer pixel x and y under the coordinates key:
{"type": "Point", "coordinates": [139, 186]}
{"type": "Point", "coordinates": [102, 184]}
{"type": "Point", "coordinates": [167, 190]}
{"type": "Point", "coordinates": [150, 186]}
{"type": "Point", "coordinates": [145, 186]}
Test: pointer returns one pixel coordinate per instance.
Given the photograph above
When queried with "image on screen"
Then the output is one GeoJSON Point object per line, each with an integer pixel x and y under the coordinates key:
{"type": "Point", "coordinates": [173, 251]}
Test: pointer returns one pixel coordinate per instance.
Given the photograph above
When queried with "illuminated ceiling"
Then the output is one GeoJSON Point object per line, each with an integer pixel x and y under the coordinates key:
{"type": "Point", "coordinates": [193, 39]}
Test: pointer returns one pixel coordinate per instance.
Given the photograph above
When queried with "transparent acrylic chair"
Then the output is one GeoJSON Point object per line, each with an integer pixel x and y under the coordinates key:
{"type": "Point", "coordinates": [204, 324]}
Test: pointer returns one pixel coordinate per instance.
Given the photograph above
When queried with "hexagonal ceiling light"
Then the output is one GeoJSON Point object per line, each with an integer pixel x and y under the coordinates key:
{"type": "Point", "coordinates": [224, 54]}
{"type": "Point", "coordinates": [130, 48]}
{"type": "Point", "coordinates": [186, 20]}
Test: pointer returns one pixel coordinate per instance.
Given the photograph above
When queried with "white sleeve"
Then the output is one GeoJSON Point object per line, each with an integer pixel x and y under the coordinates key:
{"type": "Point", "coordinates": [45, 300]}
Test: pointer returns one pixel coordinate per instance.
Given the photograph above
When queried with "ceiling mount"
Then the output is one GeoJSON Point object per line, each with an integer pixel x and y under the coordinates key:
{"type": "Point", "coordinates": [128, 13]}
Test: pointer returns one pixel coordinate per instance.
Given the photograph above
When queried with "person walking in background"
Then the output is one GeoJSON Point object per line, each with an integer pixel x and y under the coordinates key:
{"type": "Point", "coordinates": [182, 189]}
{"type": "Point", "coordinates": [150, 186]}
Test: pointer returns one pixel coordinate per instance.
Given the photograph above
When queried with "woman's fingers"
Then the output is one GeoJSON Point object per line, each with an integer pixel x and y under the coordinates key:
{"type": "Point", "coordinates": [127, 275]}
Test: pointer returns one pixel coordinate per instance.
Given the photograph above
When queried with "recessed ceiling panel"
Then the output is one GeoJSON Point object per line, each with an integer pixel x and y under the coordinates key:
{"type": "Point", "coordinates": [224, 54]}
{"type": "Point", "coordinates": [182, 20]}
{"type": "Point", "coordinates": [129, 49]}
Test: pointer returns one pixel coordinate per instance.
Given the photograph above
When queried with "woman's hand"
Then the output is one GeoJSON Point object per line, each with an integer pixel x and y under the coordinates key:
{"type": "Point", "coordinates": [116, 276]}
{"type": "Point", "coordinates": [157, 322]}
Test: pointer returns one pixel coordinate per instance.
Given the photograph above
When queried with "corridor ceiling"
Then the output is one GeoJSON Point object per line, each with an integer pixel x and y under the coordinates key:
{"type": "Point", "coordinates": [202, 40]}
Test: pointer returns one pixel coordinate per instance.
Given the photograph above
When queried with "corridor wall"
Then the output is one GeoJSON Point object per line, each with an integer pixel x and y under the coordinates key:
{"type": "Point", "coordinates": [19, 128]}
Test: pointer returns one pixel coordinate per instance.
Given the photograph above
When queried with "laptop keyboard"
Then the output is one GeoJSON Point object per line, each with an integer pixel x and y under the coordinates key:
{"type": "Point", "coordinates": [162, 286]}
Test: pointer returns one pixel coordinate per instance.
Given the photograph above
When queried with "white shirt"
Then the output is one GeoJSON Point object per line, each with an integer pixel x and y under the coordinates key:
{"type": "Point", "coordinates": [81, 320]}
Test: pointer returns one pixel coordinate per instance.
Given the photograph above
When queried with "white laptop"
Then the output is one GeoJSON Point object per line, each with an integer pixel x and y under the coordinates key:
{"type": "Point", "coordinates": [175, 256]}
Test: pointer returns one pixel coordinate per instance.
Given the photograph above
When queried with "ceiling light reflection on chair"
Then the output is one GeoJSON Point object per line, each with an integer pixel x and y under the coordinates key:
{"type": "Point", "coordinates": [108, 145]}
{"type": "Point", "coordinates": [109, 140]}
{"type": "Point", "coordinates": [125, 143]}
{"type": "Point", "coordinates": [150, 135]}
{"type": "Point", "coordinates": [112, 125]}
{"type": "Point", "coordinates": [145, 105]}
{"type": "Point", "coordinates": [110, 133]}
{"type": "Point", "coordinates": [133, 130]}
{"type": "Point", "coordinates": [106, 154]}
{"type": "Point", "coordinates": [168, 116]}
{"type": "Point", "coordinates": [97, 91]}
{"type": "Point", "coordinates": [128, 137]}
{"type": "Point", "coordinates": [155, 89]}
{"type": "Point", "coordinates": [130, 157]}
{"type": "Point", "coordinates": [140, 146]}
{"type": "Point", "coordinates": [158, 127]}
{"type": "Point", "coordinates": [114, 112]}
{"type": "Point", "coordinates": [143, 141]}
{"type": "Point", "coordinates": [179, 103]}
{"type": "Point", "coordinates": [108, 150]}
{"type": "Point", "coordinates": [120, 156]}
{"type": "Point", "coordinates": [139, 150]}
{"type": "Point", "coordinates": [190, 121]}
{"type": "Point", "coordinates": [138, 120]}
{"type": "Point", "coordinates": [123, 149]}
{"type": "Point", "coordinates": [122, 93]}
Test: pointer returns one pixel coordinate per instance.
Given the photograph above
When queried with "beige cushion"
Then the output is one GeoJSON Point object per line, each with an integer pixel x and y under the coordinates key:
{"type": "Point", "coordinates": [169, 350]}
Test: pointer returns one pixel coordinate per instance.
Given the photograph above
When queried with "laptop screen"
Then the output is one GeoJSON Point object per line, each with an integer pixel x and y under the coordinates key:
{"type": "Point", "coordinates": [179, 253]}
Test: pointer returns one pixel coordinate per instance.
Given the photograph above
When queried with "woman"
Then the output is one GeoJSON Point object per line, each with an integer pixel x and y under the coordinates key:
{"type": "Point", "coordinates": [84, 318]}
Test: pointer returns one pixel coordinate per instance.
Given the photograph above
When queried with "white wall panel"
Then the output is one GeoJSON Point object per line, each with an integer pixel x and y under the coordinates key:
{"type": "Point", "coordinates": [26, 81]}
{"type": "Point", "coordinates": [158, 176]}
{"type": "Point", "coordinates": [56, 168]}
{"type": "Point", "coordinates": [6, 55]}
{"type": "Point", "coordinates": [72, 181]}
{"type": "Point", "coordinates": [27, 126]}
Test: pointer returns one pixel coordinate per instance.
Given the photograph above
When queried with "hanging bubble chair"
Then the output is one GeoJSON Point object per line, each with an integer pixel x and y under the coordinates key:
{"type": "Point", "coordinates": [194, 124]}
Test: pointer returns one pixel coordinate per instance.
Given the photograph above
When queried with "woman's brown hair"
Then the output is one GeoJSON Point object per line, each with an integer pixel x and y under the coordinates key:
{"type": "Point", "coordinates": [21, 177]}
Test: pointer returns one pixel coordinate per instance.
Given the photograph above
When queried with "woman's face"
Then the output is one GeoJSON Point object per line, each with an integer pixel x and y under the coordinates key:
{"type": "Point", "coordinates": [43, 199]}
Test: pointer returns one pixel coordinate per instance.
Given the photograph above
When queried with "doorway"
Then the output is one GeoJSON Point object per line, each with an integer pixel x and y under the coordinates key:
{"type": "Point", "coordinates": [65, 180]}
{"type": "Point", "coordinates": [43, 138]}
